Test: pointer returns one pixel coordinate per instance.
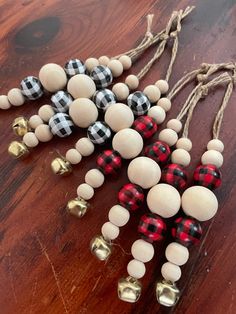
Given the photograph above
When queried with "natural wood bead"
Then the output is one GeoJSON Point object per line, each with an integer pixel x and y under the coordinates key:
{"type": "Point", "coordinates": [85, 191]}
{"type": "Point", "coordinates": [164, 200]}
{"type": "Point", "coordinates": [110, 231]}
{"type": "Point", "coordinates": [177, 254]}
{"type": "Point", "coordinates": [165, 103]}
{"type": "Point", "coordinates": [142, 251]}
{"type": "Point", "coordinates": [43, 133]}
{"type": "Point", "coordinates": [132, 81]}
{"type": "Point", "coordinates": [200, 203]}
{"type": "Point", "coordinates": [126, 61]}
{"type": "Point", "coordinates": [152, 92]}
{"type": "Point", "coordinates": [181, 157]}
{"type": "Point", "coordinates": [119, 215]}
{"type": "Point", "coordinates": [53, 77]}
{"type": "Point", "coordinates": [157, 113]}
{"type": "Point", "coordinates": [16, 97]}
{"type": "Point", "coordinates": [46, 112]}
{"type": "Point", "coordinates": [175, 125]}
{"type": "Point", "coordinates": [73, 156]}
{"type": "Point", "coordinates": [94, 178]}
{"type": "Point", "coordinates": [163, 86]}
{"type": "Point", "coordinates": [168, 136]}
{"type": "Point", "coordinates": [116, 67]}
{"type": "Point", "coordinates": [136, 269]}
{"type": "Point", "coordinates": [171, 272]}
{"type": "Point", "coordinates": [30, 139]}
{"type": "Point", "coordinates": [81, 86]}
{"type": "Point", "coordinates": [119, 116]}
{"type": "Point", "coordinates": [121, 90]}
{"type": "Point", "coordinates": [104, 60]}
{"type": "Point", "coordinates": [212, 157]}
{"type": "Point", "coordinates": [91, 63]}
{"type": "Point", "coordinates": [35, 121]}
{"type": "Point", "coordinates": [216, 144]}
{"type": "Point", "coordinates": [84, 146]}
{"type": "Point", "coordinates": [184, 143]}
{"type": "Point", "coordinates": [83, 112]}
{"type": "Point", "coordinates": [4, 102]}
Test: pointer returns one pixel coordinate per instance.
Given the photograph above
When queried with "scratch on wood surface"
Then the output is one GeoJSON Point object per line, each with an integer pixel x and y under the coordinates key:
{"type": "Point", "coordinates": [11, 277]}
{"type": "Point", "coordinates": [33, 295]}
{"type": "Point", "coordinates": [96, 283]}
{"type": "Point", "coordinates": [72, 289]}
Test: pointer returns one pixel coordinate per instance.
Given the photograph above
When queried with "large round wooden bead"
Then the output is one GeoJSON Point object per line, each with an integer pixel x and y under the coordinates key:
{"type": "Point", "coordinates": [174, 175]}
{"type": "Point", "coordinates": [4, 102]}
{"type": "Point", "coordinates": [215, 144]}
{"type": "Point", "coordinates": [121, 90]}
{"type": "Point", "coordinates": [158, 151]}
{"type": "Point", "coordinates": [104, 98]}
{"type": "Point", "coordinates": [45, 112]}
{"type": "Point", "coordinates": [132, 81]}
{"type": "Point", "coordinates": [110, 231]}
{"type": "Point", "coordinates": [177, 254]}
{"type": "Point", "coordinates": [73, 156]}
{"type": "Point", "coordinates": [101, 76]}
{"type": "Point", "coordinates": [142, 251]}
{"type": "Point", "coordinates": [126, 61]}
{"type": "Point", "coordinates": [164, 103]}
{"type": "Point", "coordinates": [85, 191]}
{"type": "Point", "coordinates": [212, 157]}
{"type": "Point", "coordinates": [145, 126]}
{"type": "Point", "coordinates": [152, 227]}
{"type": "Point", "coordinates": [31, 87]}
{"type": "Point", "coordinates": [83, 112]}
{"type": "Point", "coordinates": [187, 231]}
{"type": "Point", "coordinates": [171, 272]}
{"type": "Point", "coordinates": [61, 101]}
{"type": "Point", "coordinates": [61, 124]}
{"type": "Point", "coordinates": [181, 157]}
{"type": "Point", "coordinates": [103, 60]}
{"type": "Point", "coordinates": [139, 103]}
{"type": "Point", "coordinates": [43, 133]}
{"type": "Point", "coordinates": [53, 77]}
{"type": "Point", "coordinates": [152, 92]}
{"type": "Point", "coordinates": [184, 143]}
{"type": "Point", "coordinates": [168, 136]}
{"type": "Point", "coordinates": [99, 133]}
{"type": "Point", "coordinates": [144, 172]}
{"type": "Point", "coordinates": [200, 203]}
{"type": "Point", "coordinates": [157, 113]}
{"type": "Point", "coordinates": [94, 178]}
{"type": "Point", "coordinates": [119, 215]}
{"type": "Point", "coordinates": [175, 125]}
{"type": "Point", "coordinates": [164, 200]}
{"type": "Point", "coordinates": [163, 86]}
{"type": "Point", "coordinates": [109, 162]}
{"type": "Point", "coordinates": [35, 121]}
{"type": "Point", "coordinates": [81, 86]}
{"type": "Point", "coordinates": [74, 66]}
{"type": "Point", "coordinates": [16, 97]}
{"type": "Point", "coordinates": [84, 146]}
{"type": "Point", "coordinates": [128, 143]}
{"type": "Point", "coordinates": [208, 176]}
{"type": "Point", "coordinates": [119, 117]}
{"type": "Point", "coordinates": [116, 67]}
{"type": "Point", "coordinates": [136, 269]}
{"type": "Point", "coordinates": [91, 63]}
{"type": "Point", "coordinates": [131, 196]}
{"type": "Point", "coordinates": [30, 139]}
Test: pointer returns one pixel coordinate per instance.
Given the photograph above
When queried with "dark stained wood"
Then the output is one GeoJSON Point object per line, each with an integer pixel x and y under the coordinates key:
{"type": "Point", "coordinates": [45, 262]}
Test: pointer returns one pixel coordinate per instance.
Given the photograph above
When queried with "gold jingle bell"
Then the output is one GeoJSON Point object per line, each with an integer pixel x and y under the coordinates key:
{"type": "Point", "coordinates": [77, 207]}
{"type": "Point", "coordinates": [20, 126]}
{"type": "Point", "coordinates": [167, 293]}
{"type": "Point", "coordinates": [100, 248]}
{"type": "Point", "coordinates": [61, 166]}
{"type": "Point", "coordinates": [129, 289]}
{"type": "Point", "coordinates": [17, 149]}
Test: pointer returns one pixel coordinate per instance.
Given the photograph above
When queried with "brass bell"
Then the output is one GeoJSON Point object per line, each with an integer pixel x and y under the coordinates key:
{"type": "Point", "coordinates": [77, 207]}
{"type": "Point", "coordinates": [129, 289]}
{"type": "Point", "coordinates": [20, 126]}
{"type": "Point", "coordinates": [61, 166]}
{"type": "Point", "coordinates": [17, 149]}
{"type": "Point", "coordinates": [167, 293]}
{"type": "Point", "coordinates": [100, 248]}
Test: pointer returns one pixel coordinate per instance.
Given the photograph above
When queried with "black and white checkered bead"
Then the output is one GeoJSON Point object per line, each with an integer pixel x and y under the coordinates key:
{"type": "Point", "coordinates": [74, 66]}
{"type": "Point", "coordinates": [99, 132]}
{"type": "Point", "coordinates": [31, 87]}
{"type": "Point", "coordinates": [138, 103]}
{"type": "Point", "coordinates": [61, 124]}
{"type": "Point", "coordinates": [104, 98]}
{"type": "Point", "coordinates": [61, 101]}
{"type": "Point", "coordinates": [101, 76]}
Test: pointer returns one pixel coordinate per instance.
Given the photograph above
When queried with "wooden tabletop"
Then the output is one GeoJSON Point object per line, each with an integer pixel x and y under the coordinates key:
{"type": "Point", "coordinates": [45, 262]}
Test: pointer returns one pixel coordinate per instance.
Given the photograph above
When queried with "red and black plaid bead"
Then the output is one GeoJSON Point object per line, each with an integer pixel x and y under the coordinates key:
{"type": "Point", "coordinates": [187, 231]}
{"type": "Point", "coordinates": [208, 176]}
{"type": "Point", "coordinates": [152, 227]}
{"type": "Point", "coordinates": [131, 196]}
{"type": "Point", "coordinates": [109, 162]}
{"type": "Point", "coordinates": [145, 126]}
{"type": "Point", "coordinates": [174, 175]}
{"type": "Point", "coordinates": [158, 151]}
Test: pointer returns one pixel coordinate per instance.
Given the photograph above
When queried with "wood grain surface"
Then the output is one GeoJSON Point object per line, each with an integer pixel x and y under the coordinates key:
{"type": "Point", "coordinates": [45, 262]}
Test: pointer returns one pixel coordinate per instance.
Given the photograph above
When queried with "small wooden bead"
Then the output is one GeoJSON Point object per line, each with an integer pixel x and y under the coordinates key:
{"type": "Point", "coordinates": [81, 86]}
{"type": "Point", "coordinates": [216, 144]}
{"type": "Point", "coordinates": [126, 61]}
{"type": "Point", "coordinates": [46, 112]}
{"type": "Point", "coordinates": [121, 90]}
{"type": "Point", "coordinates": [177, 254]}
{"type": "Point", "coordinates": [4, 102]}
{"type": "Point", "coordinates": [95, 178]}
{"type": "Point", "coordinates": [157, 113]}
{"type": "Point", "coordinates": [104, 60]}
{"type": "Point", "coordinates": [212, 157]}
{"type": "Point", "coordinates": [43, 133]}
{"type": "Point", "coordinates": [136, 269]}
{"type": "Point", "coordinates": [181, 157]}
{"type": "Point", "coordinates": [119, 215]}
{"type": "Point", "coordinates": [184, 143]}
{"type": "Point", "coordinates": [132, 81]}
{"type": "Point", "coordinates": [91, 63]}
{"type": "Point", "coordinates": [83, 112]}
{"type": "Point", "coordinates": [116, 67]}
{"type": "Point", "coordinates": [168, 136]}
{"type": "Point", "coordinates": [165, 103]}
{"type": "Point", "coordinates": [110, 231]}
{"type": "Point", "coordinates": [163, 86]}
{"type": "Point", "coordinates": [30, 139]}
{"type": "Point", "coordinates": [175, 125]}
{"type": "Point", "coordinates": [35, 121]}
{"type": "Point", "coordinates": [119, 116]}
{"type": "Point", "coordinates": [85, 191]}
{"type": "Point", "coordinates": [152, 92]}
{"type": "Point", "coordinates": [84, 146]}
{"type": "Point", "coordinates": [53, 77]}
{"type": "Point", "coordinates": [73, 156]}
{"type": "Point", "coordinates": [171, 272]}
{"type": "Point", "coordinates": [142, 251]}
{"type": "Point", "coordinates": [16, 97]}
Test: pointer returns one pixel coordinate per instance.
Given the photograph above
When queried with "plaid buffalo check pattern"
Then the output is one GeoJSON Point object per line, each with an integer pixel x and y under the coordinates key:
{"type": "Point", "coordinates": [138, 103]}
{"type": "Point", "coordinates": [103, 98]}
{"type": "Point", "coordinates": [174, 175]}
{"type": "Point", "coordinates": [208, 176]}
{"type": "Point", "coordinates": [109, 162]}
{"type": "Point", "coordinates": [61, 124]}
{"type": "Point", "coordinates": [158, 151]}
{"type": "Point", "coordinates": [131, 196]}
{"type": "Point", "coordinates": [31, 87]}
{"type": "Point", "coordinates": [61, 101]}
{"type": "Point", "coordinates": [99, 132]}
{"type": "Point", "coordinates": [74, 66]}
{"type": "Point", "coordinates": [145, 126]}
{"type": "Point", "coordinates": [152, 227]}
{"type": "Point", "coordinates": [187, 231]}
{"type": "Point", "coordinates": [101, 76]}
